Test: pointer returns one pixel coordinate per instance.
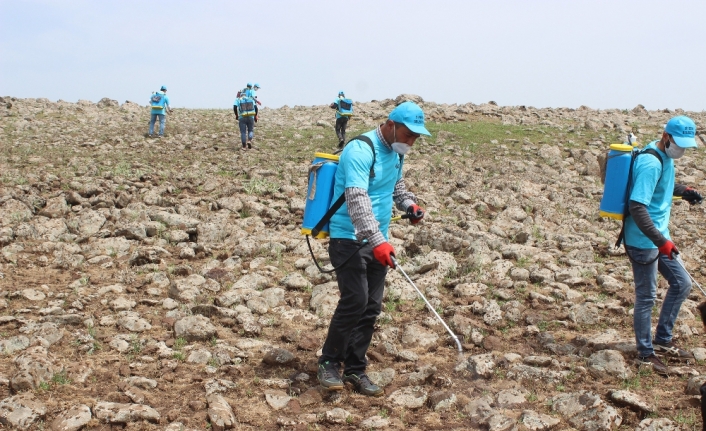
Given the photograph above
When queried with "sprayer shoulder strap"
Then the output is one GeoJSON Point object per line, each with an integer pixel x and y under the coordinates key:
{"type": "Point", "coordinates": [372, 148]}
{"type": "Point", "coordinates": [626, 213]}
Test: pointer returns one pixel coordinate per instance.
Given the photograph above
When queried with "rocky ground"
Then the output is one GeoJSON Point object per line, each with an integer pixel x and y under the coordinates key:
{"type": "Point", "coordinates": [164, 284]}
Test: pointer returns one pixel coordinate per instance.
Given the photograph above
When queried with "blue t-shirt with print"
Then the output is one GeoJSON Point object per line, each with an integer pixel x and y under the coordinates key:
{"type": "Point", "coordinates": [354, 171]}
{"type": "Point", "coordinates": [652, 186]}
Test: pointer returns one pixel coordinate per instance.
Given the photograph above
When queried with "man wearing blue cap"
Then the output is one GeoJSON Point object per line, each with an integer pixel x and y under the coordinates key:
{"type": "Point", "coordinates": [370, 175]}
{"type": "Point", "coordinates": [244, 109]}
{"type": "Point", "coordinates": [344, 110]}
{"type": "Point", "coordinates": [649, 245]}
{"type": "Point", "coordinates": [159, 104]}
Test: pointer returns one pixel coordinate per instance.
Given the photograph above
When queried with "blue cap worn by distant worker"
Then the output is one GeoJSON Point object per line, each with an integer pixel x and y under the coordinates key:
{"type": "Point", "coordinates": [412, 116]}
{"type": "Point", "coordinates": [249, 85]}
{"type": "Point", "coordinates": [683, 130]}
{"type": "Point", "coordinates": [341, 93]}
{"type": "Point", "coordinates": [164, 88]}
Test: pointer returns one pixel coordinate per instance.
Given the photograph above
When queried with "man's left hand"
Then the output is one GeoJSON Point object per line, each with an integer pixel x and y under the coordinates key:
{"type": "Point", "coordinates": [692, 196]}
{"type": "Point", "coordinates": [416, 214]}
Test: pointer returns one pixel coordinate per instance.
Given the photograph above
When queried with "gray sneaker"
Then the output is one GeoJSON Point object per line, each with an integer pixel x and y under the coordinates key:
{"type": "Point", "coordinates": [329, 376]}
{"type": "Point", "coordinates": [671, 350]}
{"type": "Point", "coordinates": [362, 384]}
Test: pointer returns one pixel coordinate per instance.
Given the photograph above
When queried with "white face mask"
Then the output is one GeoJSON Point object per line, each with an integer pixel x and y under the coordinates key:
{"type": "Point", "coordinates": [674, 151]}
{"type": "Point", "coordinates": [399, 147]}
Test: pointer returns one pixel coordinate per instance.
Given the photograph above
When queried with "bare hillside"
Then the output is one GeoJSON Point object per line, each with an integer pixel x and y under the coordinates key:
{"type": "Point", "coordinates": [163, 284]}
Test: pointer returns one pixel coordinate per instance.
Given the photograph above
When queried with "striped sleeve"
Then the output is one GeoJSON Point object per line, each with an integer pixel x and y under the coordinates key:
{"type": "Point", "coordinates": [360, 210]}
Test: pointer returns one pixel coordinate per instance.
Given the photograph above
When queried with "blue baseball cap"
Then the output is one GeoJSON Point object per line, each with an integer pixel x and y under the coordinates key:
{"type": "Point", "coordinates": [412, 116]}
{"type": "Point", "coordinates": [164, 88]}
{"type": "Point", "coordinates": [683, 130]}
{"type": "Point", "coordinates": [340, 92]}
{"type": "Point", "coordinates": [249, 85]}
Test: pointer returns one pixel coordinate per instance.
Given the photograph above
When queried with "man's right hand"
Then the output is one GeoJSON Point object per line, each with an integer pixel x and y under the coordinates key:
{"type": "Point", "coordinates": [382, 253]}
{"type": "Point", "coordinates": [668, 248]}
{"type": "Point", "coordinates": [692, 196]}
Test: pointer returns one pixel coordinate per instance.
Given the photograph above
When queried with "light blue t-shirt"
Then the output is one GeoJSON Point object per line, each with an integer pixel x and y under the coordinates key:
{"type": "Point", "coordinates": [163, 110]}
{"type": "Point", "coordinates": [653, 186]}
{"type": "Point", "coordinates": [354, 171]}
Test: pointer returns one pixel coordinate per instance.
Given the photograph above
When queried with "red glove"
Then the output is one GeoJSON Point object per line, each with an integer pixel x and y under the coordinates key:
{"type": "Point", "coordinates": [668, 248]}
{"type": "Point", "coordinates": [415, 213]}
{"type": "Point", "coordinates": [382, 254]}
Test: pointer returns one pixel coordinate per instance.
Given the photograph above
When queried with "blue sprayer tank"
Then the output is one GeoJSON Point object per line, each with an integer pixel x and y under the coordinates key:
{"type": "Point", "coordinates": [616, 182]}
{"type": "Point", "coordinates": [319, 194]}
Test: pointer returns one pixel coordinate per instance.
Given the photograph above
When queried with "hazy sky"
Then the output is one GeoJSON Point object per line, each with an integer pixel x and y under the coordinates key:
{"type": "Point", "coordinates": [562, 53]}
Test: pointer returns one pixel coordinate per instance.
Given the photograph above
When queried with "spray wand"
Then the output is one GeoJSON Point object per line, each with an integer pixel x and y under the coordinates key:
{"type": "Point", "coordinates": [458, 343]}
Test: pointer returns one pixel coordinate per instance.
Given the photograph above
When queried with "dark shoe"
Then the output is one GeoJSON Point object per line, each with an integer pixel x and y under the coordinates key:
{"type": "Point", "coordinates": [340, 144]}
{"type": "Point", "coordinates": [654, 362]}
{"type": "Point", "coordinates": [362, 384]}
{"type": "Point", "coordinates": [671, 350]}
{"type": "Point", "coordinates": [329, 377]}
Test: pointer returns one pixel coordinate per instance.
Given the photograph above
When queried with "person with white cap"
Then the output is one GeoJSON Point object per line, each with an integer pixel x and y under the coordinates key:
{"type": "Point", "coordinates": [159, 104]}
{"type": "Point", "coordinates": [370, 175]}
{"type": "Point", "coordinates": [649, 246]}
{"type": "Point", "coordinates": [344, 110]}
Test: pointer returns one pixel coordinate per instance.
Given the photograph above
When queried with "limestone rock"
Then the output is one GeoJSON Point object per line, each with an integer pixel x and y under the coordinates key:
{"type": "Point", "coordinates": [537, 421]}
{"type": "Point", "coordinates": [220, 413]}
{"type": "Point", "coordinates": [194, 328]}
{"type": "Point", "coordinates": [117, 413]}
{"type": "Point", "coordinates": [72, 419]}
{"type": "Point", "coordinates": [410, 397]}
{"type": "Point", "coordinates": [277, 400]}
{"type": "Point", "coordinates": [609, 362]}
{"type": "Point", "coordinates": [21, 411]}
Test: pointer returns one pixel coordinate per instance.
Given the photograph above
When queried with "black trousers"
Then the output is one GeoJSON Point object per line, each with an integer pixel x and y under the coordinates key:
{"type": "Point", "coordinates": [361, 282]}
{"type": "Point", "coordinates": [341, 124]}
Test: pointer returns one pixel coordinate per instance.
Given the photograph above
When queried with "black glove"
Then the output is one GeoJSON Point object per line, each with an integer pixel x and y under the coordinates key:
{"type": "Point", "coordinates": [692, 196]}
